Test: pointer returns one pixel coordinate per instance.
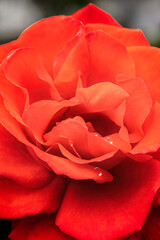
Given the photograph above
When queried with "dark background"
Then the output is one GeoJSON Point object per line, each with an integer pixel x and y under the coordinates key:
{"type": "Point", "coordinates": [16, 15]}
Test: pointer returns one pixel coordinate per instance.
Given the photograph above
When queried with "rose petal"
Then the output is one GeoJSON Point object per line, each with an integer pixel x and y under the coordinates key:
{"type": "Point", "coordinates": [99, 44]}
{"type": "Point", "coordinates": [93, 14]}
{"type": "Point", "coordinates": [18, 165]}
{"type": "Point", "coordinates": [14, 98]}
{"type": "Point", "coordinates": [22, 68]}
{"type": "Point", "coordinates": [5, 49]}
{"type": "Point", "coordinates": [94, 211]}
{"type": "Point", "coordinates": [83, 141]}
{"type": "Point", "coordinates": [38, 227]}
{"type": "Point", "coordinates": [18, 201]}
{"type": "Point", "coordinates": [39, 114]}
{"type": "Point", "coordinates": [53, 32]}
{"type": "Point", "coordinates": [147, 67]}
{"type": "Point", "coordinates": [63, 166]}
{"type": "Point", "coordinates": [139, 101]}
{"type": "Point", "coordinates": [11, 124]}
{"type": "Point", "coordinates": [96, 98]}
{"type": "Point", "coordinates": [129, 37]}
{"type": "Point", "coordinates": [151, 140]}
{"type": "Point", "coordinates": [57, 164]}
{"type": "Point", "coordinates": [151, 229]}
{"type": "Point", "coordinates": [89, 58]}
{"type": "Point", "coordinates": [157, 199]}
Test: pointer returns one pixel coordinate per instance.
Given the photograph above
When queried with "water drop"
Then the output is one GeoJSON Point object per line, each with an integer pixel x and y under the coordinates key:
{"type": "Point", "coordinates": [102, 175]}
{"type": "Point", "coordinates": [71, 143]}
{"type": "Point", "coordinates": [98, 170]}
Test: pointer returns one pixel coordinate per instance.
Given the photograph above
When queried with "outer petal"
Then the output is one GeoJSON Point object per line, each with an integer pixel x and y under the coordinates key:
{"type": "Point", "coordinates": [147, 67]}
{"type": "Point", "coordinates": [18, 165]}
{"type": "Point", "coordinates": [129, 37]}
{"type": "Point", "coordinates": [14, 98]}
{"type": "Point", "coordinates": [151, 229]}
{"type": "Point", "coordinates": [5, 49]}
{"type": "Point", "coordinates": [24, 69]}
{"type": "Point", "coordinates": [93, 14]}
{"type": "Point", "coordinates": [93, 211]}
{"type": "Point", "coordinates": [53, 32]}
{"type": "Point", "coordinates": [18, 201]}
{"type": "Point", "coordinates": [39, 227]}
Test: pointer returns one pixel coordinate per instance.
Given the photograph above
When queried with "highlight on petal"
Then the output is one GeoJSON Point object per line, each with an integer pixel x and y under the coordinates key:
{"type": "Point", "coordinates": [129, 37]}
{"type": "Point", "coordinates": [18, 201]}
{"type": "Point", "coordinates": [38, 227]}
{"type": "Point", "coordinates": [17, 165]}
{"type": "Point", "coordinates": [147, 67]}
{"type": "Point", "coordinates": [93, 14]}
{"type": "Point", "coordinates": [92, 211]}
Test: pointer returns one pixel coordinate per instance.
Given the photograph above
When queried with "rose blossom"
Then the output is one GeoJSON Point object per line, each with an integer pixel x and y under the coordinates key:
{"type": "Point", "coordinates": [80, 132]}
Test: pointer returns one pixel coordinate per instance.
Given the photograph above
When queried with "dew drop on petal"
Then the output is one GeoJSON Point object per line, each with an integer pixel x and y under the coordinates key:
{"type": "Point", "coordinates": [102, 175]}
{"type": "Point", "coordinates": [96, 134]}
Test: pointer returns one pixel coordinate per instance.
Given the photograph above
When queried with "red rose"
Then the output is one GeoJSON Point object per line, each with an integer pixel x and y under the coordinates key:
{"type": "Point", "coordinates": [80, 132]}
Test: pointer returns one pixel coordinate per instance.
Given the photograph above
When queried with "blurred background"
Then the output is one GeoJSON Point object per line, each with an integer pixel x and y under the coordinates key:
{"type": "Point", "coordinates": [16, 15]}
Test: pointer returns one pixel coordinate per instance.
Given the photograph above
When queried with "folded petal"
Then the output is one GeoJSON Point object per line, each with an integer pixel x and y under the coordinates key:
{"type": "Point", "coordinates": [93, 14]}
{"type": "Point", "coordinates": [64, 166]}
{"type": "Point", "coordinates": [39, 114]}
{"type": "Point", "coordinates": [53, 32]}
{"type": "Point", "coordinates": [138, 105]}
{"type": "Point", "coordinates": [147, 67]}
{"type": "Point", "coordinates": [38, 227]}
{"type": "Point", "coordinates": [108, 57]}
{"type": "Point", "coordinates": [18, 201]}
{"type": "Point", "coordinates": [151, 229]}
{"type": "Point", "coordinates": [18, 165]}
{"type": "Point", "coordinates": [96, 98]}
{"type": "Point", "coordinates": [5, 49]}
{"type": "Point", "coordinates": [129, 37]}
{"type": "Point", "coordinates": [14, 98]}
{"type": "Point", "coordinates": [87, 144]}
{"type": "Point", "coordinates": [89, 59]}
{"type": "Point", "coordinates": [105, 211]}
{"type": "Point", "coordinates": [24, 69]}
{"type": "Point", "coordinates": [58, 164]}
{"type": "Point", "coordinates": [151, 140]}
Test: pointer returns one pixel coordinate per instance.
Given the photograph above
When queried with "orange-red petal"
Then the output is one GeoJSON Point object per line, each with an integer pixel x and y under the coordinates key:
{"type": "Point", "coordinates": [18, 201]}
{"type": "Point", "coordinates": [38, 227]}
{"type": "Point", "coordinates": [93, 211]}
{"type": "Point", "coordinates": [93, 14]}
